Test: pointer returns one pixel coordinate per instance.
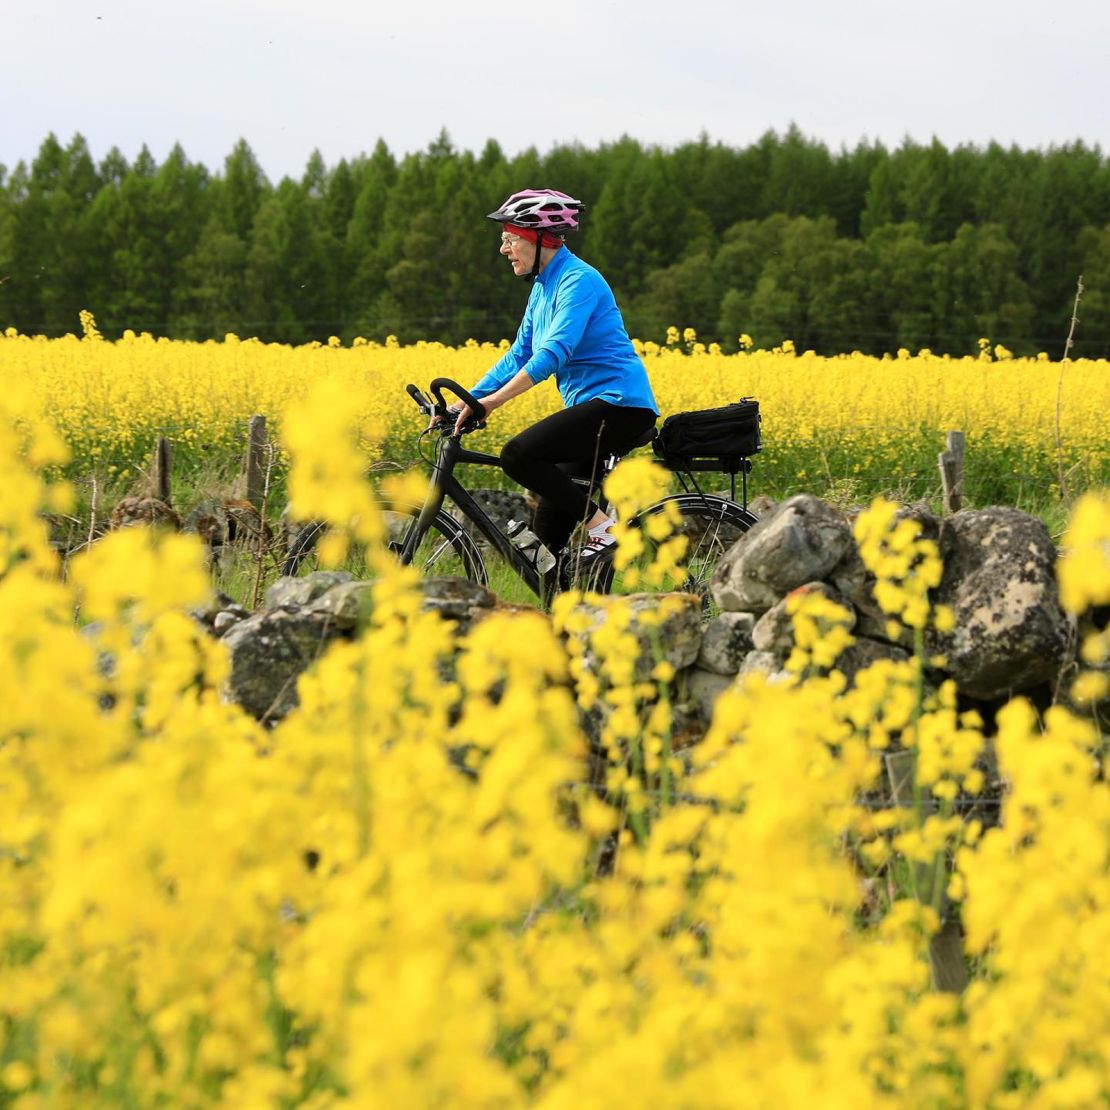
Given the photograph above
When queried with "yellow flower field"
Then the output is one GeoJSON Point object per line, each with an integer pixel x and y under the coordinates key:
{"type": "Point", "coordinates": [405, 894]}
{"type": "Point", "coordinates": [872, 424]}
{"type": "Point", "coordinates": [197, 911]}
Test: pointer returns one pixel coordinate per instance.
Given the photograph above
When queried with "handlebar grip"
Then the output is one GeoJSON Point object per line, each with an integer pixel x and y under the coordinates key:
{"type": "Point", "coordinates": [463, 395]}
{"type": "Point", "coordinates": [418, 397]}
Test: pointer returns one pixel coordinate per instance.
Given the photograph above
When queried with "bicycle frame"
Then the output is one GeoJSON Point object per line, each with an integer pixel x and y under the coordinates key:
{"type": "Point", "coordinates": [449, 454]}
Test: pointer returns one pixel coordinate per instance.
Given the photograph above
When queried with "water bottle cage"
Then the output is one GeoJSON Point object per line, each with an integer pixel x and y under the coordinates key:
{"type": "Point", "coordinates": [531, 547]}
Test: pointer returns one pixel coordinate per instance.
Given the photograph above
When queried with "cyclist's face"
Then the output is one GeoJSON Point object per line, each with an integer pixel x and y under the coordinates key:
{"type": "Point", "coordinates": [519, 252]}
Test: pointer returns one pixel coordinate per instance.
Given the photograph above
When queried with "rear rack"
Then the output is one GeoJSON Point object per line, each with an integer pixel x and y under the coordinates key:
{"type": "Point", "coordinates": [687, 468]}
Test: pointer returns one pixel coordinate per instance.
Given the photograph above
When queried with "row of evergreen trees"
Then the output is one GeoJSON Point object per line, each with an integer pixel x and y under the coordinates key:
{"type": "Point", "coordinates": [869, 249]}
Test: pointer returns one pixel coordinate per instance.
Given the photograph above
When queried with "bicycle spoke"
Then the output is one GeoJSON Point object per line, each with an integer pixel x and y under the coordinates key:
{"type": "Point", "coordinates": [710, 526]}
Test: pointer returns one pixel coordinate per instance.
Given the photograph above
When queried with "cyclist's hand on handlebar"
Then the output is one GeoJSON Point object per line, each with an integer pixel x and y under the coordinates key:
{"type": "Point", "coordinates": [465, 412]}
{"type": "Point", "coordinates": [436, 419]}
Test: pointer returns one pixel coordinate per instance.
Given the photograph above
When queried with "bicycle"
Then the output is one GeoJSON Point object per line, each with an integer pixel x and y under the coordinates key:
{"type": "Point", "coordinates": [437, 542]}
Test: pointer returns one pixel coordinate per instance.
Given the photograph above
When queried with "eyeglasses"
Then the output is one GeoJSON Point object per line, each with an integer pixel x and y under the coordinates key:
{"type": "Point", "coordinates": [510, 240]}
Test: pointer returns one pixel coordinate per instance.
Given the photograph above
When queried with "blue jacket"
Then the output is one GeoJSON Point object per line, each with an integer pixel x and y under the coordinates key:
{"type": "Point", "coordinates": [573, 329]}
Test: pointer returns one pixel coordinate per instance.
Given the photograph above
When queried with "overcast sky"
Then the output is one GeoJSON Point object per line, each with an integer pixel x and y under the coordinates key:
{"type": "Point", "coordinates": [293, 75]}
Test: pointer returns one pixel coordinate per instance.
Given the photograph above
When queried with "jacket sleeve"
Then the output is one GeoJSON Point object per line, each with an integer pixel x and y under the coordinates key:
{"type": "Point", "coordinates": [510, 362]}
{"type": "Point", "coordinates": [575, 299]}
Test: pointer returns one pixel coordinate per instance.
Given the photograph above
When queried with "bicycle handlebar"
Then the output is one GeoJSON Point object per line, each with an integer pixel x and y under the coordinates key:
{"type": "Point", "coordinates": [463, 395]}
{"type": "Point", "coordinates": [439, 408]}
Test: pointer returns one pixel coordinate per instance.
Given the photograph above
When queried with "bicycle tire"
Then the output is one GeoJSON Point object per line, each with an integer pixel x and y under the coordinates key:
{"type": "Point", "coordinates": [711, 524]}
{"type": "Point", "coordinates": [447, 549]}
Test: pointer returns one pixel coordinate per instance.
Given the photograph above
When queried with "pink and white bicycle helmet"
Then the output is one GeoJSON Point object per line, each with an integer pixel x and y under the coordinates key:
{"type": "Point", "coordinates": [545, 210]}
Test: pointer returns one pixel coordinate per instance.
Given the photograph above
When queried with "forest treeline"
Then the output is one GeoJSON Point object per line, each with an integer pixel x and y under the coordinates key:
{"type": "Point", "coordinates": [866, 249]}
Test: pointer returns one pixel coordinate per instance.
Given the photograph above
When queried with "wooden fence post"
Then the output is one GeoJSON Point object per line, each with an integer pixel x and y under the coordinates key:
{"type": "Point", "coordinates": [946, 949]}
{"type": "Point", "coordinates": [951, 462]}
{"type": "Point", "coordinates": [256, 451]}
{"type": "Point", "coordinates": [163, 465]}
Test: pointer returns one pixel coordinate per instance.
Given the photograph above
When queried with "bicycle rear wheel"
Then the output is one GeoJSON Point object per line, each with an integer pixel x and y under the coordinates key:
{"type": "Point", "coordinates": [710, 525]}
{"type": "Point", "coordinates": [446, 550]}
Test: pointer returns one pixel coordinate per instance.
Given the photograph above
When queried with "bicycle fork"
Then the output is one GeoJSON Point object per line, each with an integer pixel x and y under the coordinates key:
{"type": "Point", "coordinates": [446, 456]}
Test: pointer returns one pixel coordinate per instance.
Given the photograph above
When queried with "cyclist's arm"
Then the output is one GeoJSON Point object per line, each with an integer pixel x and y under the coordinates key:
{"type": "Point", "coordinates": [516, 385]}
{"type": "Point", "coordinates": [576, 300]}
{"type": "Point", "coordinates": [519, 383]}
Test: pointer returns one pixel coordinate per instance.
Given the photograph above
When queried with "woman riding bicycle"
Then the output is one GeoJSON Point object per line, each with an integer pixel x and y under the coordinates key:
{"type": "Point", "coordinates": [572, 329]}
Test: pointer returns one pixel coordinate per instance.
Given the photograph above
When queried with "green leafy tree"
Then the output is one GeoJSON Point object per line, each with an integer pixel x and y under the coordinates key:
{"type": "Point", "coordinates": [791, 282]}
{"type": "Point", "coordinates": [242, 190]}
{"type": "Point", "coordinates": [412, 249]}
{"type": "Point", "coordinates": [6, 246]}
{"type": "Point", "coordinates": [1092, 338]}
{"type": "Point", "coordinates": [904, 280]}
{"type": "Point", "coordinates": [918, 246]}
{"type": "Point", "coordinates": [336, 210]}
{"type": "Point", "coordinates": [982, 292]}
{"type": "Point", "coordinates": [685, 295]}
{"type": "Point", "coordinates": [777, 312]}
{"type": "Point", "coordinates": [144, 229]}
{"type": "Point", "coordinates": [209, 297]}
{"type": "Point", "coordinates": [113, 169]}
{"type": "Point", "coordinates": [746, 248]}
{"type": "Point", "coordinates": [413, 280]}
{"type": "Point", "coordinates": [48, 262]}
{"type": "Point", "coordinates": [1067, 189]}
{"type": "Point", "coordinates": [288, 293]}
{"type": "Point", "coordinates": [734, 318]}
{"type": "Point", "coordinates": [641, 222]}
{"type": "Point", "coordinates": [364, 246]}
{"type": "Point", "coordinates": [799, 176]}
{"type": "Point", "coordinates": [842, 312]}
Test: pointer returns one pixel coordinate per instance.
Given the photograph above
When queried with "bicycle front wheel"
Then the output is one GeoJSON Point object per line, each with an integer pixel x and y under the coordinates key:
{"type": "Point", "coordinates": [710, 525]}
{"type": "Point", "coordinates": [446, 550]}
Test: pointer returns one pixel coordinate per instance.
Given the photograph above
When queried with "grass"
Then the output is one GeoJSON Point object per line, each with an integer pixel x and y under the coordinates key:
{"type": "Point", "coordinates": [992, 478]}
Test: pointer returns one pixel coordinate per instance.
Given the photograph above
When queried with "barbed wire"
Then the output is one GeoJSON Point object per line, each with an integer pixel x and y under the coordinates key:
{"type": "Point", "coordinates": [967, 804]}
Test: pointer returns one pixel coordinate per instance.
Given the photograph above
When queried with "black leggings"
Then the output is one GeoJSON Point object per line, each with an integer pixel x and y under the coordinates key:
{"type": "Point", "coordinates": [545, 457]}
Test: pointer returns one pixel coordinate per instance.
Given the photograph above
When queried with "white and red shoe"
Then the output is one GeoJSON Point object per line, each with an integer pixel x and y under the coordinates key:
{"type": "Point", "coordinates": [598, 539]}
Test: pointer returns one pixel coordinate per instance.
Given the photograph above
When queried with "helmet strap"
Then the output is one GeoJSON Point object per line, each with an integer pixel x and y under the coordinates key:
{"type": "Point", "coordinates": [536, 265]}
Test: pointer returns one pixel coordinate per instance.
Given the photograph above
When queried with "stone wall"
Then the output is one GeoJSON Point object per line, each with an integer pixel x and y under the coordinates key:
{"type": "Point", "coordinates": [1010, 635]}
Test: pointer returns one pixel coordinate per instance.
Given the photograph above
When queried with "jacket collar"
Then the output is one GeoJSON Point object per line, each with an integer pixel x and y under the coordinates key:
{"type": "Point", "coordinates": [551, 271]}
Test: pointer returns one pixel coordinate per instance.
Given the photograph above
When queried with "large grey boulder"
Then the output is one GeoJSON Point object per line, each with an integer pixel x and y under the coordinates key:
{"type": "Point", "coordinates": [763, 662]}
{"type": "Point", "coordinates": [456, 598]}
{"type": "Point", "coordinates": [774, 631]}
{"type": "Point", "coordinates": [857, 657]}
{"type": "Point", "coordinates": [800, 542]}
{"type": "Point", "coordinates": [666, 627]}
{"type": "Point", "coordinates": [348, 604]}
{"type": "Point", "coordinates": [206, 613]}
{"type": "Point", "coordinates": [999, 579]}
{"type": "Point", "coordinates": [288, 591]}
{"type": "Point", "coordinates": [703, 688]}
{"type": "Point", "coordinates": [268, 653]}
{"type": "Point", "coordinates": [228, 618]}
{"type": "Point", "coordinates": [726, 639]}
{"type": "Point", "coordinates": [271, 649]}
{"type": "Point", "coordinates": [856, 583]}
{"type": "Point", "coordinates": [862, 653]}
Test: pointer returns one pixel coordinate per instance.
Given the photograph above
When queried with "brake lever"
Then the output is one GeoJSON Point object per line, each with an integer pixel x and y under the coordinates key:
{"type": "Point", "coordinates": [472, 425]}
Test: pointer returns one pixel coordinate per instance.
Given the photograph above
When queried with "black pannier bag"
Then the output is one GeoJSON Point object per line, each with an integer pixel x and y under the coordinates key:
{"type": "Point", "coordinates": [731, 432]}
